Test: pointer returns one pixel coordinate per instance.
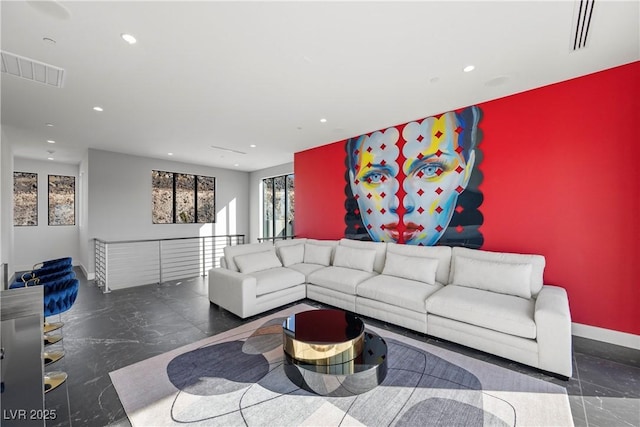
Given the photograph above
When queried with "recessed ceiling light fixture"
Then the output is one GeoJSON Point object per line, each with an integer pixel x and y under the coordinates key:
{"type": "Point", "coordinates": [323, 120]}
{"type": "Point", "coordinates": [49, 125]}
{"type": "Point", "coordinates": [236, 164]}
{"type": "Point", "coordinates": [468, 68]}
{"type": "Point", "coordinates": [169, 154]}
{"type": "Point", "coordinates": [253, 146]}
{"type": "Point", "coordinates": [128, 38]}
{"type": "Point", "coordinates": [49, 158]}
{"type": "Point", "coordinates": [51, 141]}
{"type": "Point", "coordinates": [98, 108]}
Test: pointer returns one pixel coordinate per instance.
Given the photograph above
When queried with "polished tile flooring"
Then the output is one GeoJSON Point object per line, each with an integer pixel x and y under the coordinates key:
{"type": "Point", "coordinates": [105, 332]}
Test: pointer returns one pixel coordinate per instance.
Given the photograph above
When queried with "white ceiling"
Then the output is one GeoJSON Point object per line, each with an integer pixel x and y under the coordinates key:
{"type": "Point", "coordinates": [232, 74]}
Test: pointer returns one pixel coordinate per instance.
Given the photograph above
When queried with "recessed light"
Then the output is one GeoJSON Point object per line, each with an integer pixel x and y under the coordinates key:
{"type": "Point", "coordinates": [169, 154]}
{"type": "Point", "coordinates": [49, 158]}
{"type": "Point", "coordinates": [253, 146]}
{"type": "Point", "coordinates": [97, 108]}
{"type": "Point", "coordinates": [128, 38]}
{"type": "Point", "coordinates": [468, 68]}
{"type": "Point", "coordinates": [323, 120]}
{"type": "Point", "coordinates": [49, 125]}
{"type": "Point", "coordinates": [236, 164]}
{"type": "Point", "coordinates": [48, 40]}
{"type": "Point", "coordinates": [51, 141]}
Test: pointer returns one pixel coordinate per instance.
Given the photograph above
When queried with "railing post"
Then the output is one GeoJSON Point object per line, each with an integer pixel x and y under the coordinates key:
{"type": "Point", "coordinates": [106, 269]}
{"type": "Point", "coordinates": [159, 261]}
{"type": "Point", "coordinates": [204, 255]}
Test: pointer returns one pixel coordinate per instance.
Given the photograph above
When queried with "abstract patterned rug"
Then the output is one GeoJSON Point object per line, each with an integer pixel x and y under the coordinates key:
{"type": "Point", "coordinates": [237, 378]}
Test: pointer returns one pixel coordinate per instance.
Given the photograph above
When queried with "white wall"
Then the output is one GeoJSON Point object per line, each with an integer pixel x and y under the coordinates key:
{"type": "Point", "coordinates": [255, 194]}
{"type": "Point", "coordinates": [119, 200]}
{"type": "Point", "coordinates": [6, 204]}
{"type": "Point", "coordinates": [34, 244]}
{"type": "Point", "coordinates": [82, 189]}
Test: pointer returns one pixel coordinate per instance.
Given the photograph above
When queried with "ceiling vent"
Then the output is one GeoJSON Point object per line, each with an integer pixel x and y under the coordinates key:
{"type": "Point", "coordinates": [31, 69]}
{"type": "Point", "coordinates": [228, 150]}
{"type": "Point", "coordinates": [581, 23]}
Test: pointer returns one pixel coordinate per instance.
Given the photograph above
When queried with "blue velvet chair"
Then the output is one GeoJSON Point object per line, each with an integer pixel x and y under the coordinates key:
{"type": "Point", "coordinates": [44, 268]}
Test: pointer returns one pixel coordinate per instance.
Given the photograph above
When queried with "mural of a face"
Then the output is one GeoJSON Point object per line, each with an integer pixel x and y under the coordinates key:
{"type": "Point", "coordinates": [437, 169]}
{"type": "Point", "coordinates": [407, 179]}
{"type": "Point", "coordinates": [374, 182]}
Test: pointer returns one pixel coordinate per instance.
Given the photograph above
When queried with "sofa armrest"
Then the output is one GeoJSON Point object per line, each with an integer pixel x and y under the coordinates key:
{"type": "Point", "coordinates": [553, 325]}
{"type": "Point", "coordinates": [232, 291]}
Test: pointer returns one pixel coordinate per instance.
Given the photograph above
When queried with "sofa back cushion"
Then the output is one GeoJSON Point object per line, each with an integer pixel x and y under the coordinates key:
{"type": "Point", "coordinates": [411, 267]}
{"type": "Point", "coordinates": [291, 254]}
{"type": "Point", "coordinates": [317, 254]}
{"type": "Point", "coordinates": [320, 242]}
{"type": "Point", "coordinates": [354, 258]}
{"type": "Point", "coordinates": [537, 263]}
{"type": "Point", "coordinates": [231, 252]}
{"type": "Point", "coordinates": [441, 253]}
{"type": "Point", "coordinates": [379, 247]}
{"type": "Point", "coordinates": [257, 261]}
{"type": "Point", "coordinates": [290, 242]}
{"type": "Point", "coordinates": [499, 277]}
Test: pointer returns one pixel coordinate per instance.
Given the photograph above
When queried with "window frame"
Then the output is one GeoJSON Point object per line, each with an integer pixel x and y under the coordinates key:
{"type": "Point", "coordinates": [49, 193]}
{"type": "Point", "coordinates": [33, 174]}
{"type": "Point", "coordinates": [287, 178]}
{"type": "Point", "coordinates": [174, 201]}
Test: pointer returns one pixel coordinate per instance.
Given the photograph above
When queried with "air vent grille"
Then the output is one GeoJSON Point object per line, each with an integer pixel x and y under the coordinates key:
{"type": "Point", "coordinates": [31, 69]}
{"type": "Point", "coordinates": [228, 150]}
{"type": "Point", "coordinates": [582, 22]}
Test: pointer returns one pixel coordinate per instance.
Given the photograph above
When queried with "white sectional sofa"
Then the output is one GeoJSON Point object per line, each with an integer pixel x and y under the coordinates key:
{"type": "Point", "coordinates": [491, 301]}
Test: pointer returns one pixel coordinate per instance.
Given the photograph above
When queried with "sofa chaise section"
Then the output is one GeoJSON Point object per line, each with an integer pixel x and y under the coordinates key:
{"type": "Point", "coordinates": [254, 281]}
{"type": "Point", "coordinates": [496, 302]}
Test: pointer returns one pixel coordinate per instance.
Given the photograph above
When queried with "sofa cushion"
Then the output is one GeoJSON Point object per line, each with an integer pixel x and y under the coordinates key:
{"type": "Point", "coordinates": [306, 269]}
{"type": "Point", "coordinates": [290, 242]}
{"type": "Point", "coordinates": [276, 279]}
{"type": "Point", "coordinates": [397, 291]}
{"type": "Point", "coordinates": [331, 243]}
{"type": "Point", "coordinates": [339, 278]}
{"type": "Point", "coordinates": [500, 277]}
{"type": "Point", "coordinates": [257, 261]}
{"type": "Point", "coordinates": [537, 263]}
{"type": "Point", "coordinates": [441, 253]}
{"type": "Point", "coordinates": [232, 251]}
{"type": "Point", "coordinates": [291, 254]}
{"type": "Point", "coordinates": [317, 254]}
{"type": "Point", "coordinates": [357, 259]}
{"type": "Point", "coordinates": [411, 267]}
{"type": "Point", "coordinates": [499, 312]}
{"type": "Point", "coordinates": [379, 247]}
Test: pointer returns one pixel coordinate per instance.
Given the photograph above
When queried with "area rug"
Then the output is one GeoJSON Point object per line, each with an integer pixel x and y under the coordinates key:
{"type": "Point", "coordinates": [237, 378]}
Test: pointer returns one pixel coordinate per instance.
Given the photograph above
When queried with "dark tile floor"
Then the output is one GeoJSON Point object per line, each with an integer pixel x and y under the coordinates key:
{"type": "Point", "coordinates": [105, 332]}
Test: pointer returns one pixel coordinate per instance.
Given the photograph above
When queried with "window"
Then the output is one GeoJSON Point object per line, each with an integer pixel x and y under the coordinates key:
{"type": "Point", "coordinates": [182, 198]}
{"type": "Point", "coordinates": [62, 200]}
{"type": "Point", "coordinates": [25, 198]}
{"type": "Point", "coordinates": [278, 206]}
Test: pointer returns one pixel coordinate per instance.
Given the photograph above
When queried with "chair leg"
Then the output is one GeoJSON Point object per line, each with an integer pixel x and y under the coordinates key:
{"type": "Point", "coordinates": [53, 380]}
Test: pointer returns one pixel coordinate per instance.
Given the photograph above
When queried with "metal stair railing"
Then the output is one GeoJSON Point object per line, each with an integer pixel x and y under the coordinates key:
{"type": "Point", "coordinates": [127, 263]}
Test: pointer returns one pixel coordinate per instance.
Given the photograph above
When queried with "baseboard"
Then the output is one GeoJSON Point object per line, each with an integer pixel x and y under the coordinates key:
{"type": "Point", "coordinates": [89, 276]}
{"type": "Point", "coordinates": [606, 335]}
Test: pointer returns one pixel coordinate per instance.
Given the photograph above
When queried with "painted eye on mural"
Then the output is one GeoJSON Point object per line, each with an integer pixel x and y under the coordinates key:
{"type": "Point", "coordinates": [375, 177]}
{"type": "Point", "coordinates": [431, 170]}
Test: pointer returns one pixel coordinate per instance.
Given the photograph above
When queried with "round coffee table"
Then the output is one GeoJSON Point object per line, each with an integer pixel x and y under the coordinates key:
{"type": "Point", "coordinates": [328, 352]}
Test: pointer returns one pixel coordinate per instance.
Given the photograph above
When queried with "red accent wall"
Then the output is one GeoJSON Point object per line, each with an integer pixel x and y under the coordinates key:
{"type": "Point", "coordinates": [561, 178]}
